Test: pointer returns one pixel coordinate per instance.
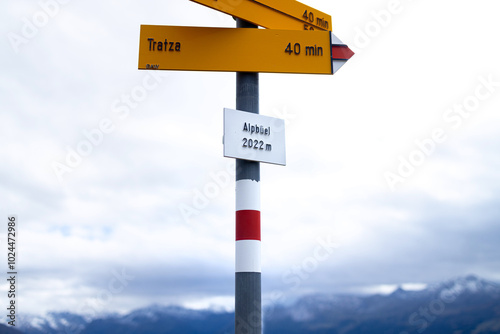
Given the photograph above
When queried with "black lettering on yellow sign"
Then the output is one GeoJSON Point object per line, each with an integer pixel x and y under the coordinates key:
{"type": "Point", "coordinates": [310, 50]}
{"type": "Point", "coordinates": [320, 22]}
{"type": "Point", "coordinates": [163, 46]}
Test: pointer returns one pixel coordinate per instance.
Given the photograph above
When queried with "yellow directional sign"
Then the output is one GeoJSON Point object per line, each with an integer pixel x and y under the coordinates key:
{"type": "Point", "coordinates": [273, 14]}
{"type": "Point", "coordinates": [234, 50]}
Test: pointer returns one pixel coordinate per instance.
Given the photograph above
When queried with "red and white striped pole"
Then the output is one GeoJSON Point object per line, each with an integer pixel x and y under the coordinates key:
{"type": "Point", "coordinates": [248, 255]}
{"type": "Point", "coordinates": [248, 226]}
{"type": "Point", "coordinates": [248, 305]}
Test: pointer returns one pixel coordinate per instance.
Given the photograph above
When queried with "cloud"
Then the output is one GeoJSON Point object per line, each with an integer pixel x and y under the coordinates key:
{"type": "Point", "coordinates": [119, 208]}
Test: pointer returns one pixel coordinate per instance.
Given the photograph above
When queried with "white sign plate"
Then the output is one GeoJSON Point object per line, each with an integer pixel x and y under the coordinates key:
{"type": "Point", "coordinates": [254, 137]}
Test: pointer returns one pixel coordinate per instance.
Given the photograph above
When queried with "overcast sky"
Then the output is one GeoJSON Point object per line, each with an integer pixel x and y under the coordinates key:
{"type": "Point", "coordinates": [392, 164]}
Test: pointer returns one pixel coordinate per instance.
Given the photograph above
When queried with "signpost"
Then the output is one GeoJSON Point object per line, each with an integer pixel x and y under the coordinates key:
{"type": "Point", "coordinates": [273, 14]}
{"type": "Point", "coordinates": [254, 137]}
{"type": "Point", "coordinates": [299, 40]}
{"type": "Point", "coordinates": [234, 50]}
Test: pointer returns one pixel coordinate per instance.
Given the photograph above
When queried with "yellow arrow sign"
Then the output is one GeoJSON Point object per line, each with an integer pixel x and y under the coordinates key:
{"type": "Point", "coordinates": [234, 50]}
{"type": "Point", "coordinates": [273, 14]}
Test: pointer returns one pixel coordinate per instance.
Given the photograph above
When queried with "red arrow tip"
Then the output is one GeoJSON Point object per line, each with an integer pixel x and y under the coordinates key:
{"type": "Point", "coordinates": [341, 52]}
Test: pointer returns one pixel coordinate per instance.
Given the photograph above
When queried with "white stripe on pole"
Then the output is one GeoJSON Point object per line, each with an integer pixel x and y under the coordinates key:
{"type": "Point", "coordinates": [247, 195]}
{"type": "Point", "coordinates": [248, 256]}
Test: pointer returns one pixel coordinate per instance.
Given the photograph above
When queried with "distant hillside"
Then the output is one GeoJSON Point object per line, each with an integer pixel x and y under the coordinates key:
{"type": "Point", "coordinates": [8, 330]}
{"type": "Point", "coordinates": [461, 306]}
{"type": "Point", "coordinates": [465, 305]}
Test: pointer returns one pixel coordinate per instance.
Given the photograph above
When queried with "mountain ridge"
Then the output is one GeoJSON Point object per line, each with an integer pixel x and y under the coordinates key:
{"type": "Point", "coordinates": [461, 305]}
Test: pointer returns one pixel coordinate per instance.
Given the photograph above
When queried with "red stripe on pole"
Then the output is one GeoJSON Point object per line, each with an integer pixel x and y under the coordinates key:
{"type": "Point", "coordinates": [341, 52]}
{"type": "Point", "coordinates": [247, 225]}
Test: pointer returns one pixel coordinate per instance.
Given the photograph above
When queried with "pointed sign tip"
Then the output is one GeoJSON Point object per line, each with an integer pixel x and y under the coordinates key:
{"type": "Point", "coordinates": [341, 52]}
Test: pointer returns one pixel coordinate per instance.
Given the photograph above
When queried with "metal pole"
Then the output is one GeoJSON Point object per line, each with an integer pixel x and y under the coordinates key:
{"type": "Point", "coordinates": [248, 308]}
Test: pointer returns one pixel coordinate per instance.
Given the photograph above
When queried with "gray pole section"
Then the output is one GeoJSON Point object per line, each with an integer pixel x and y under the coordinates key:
{"type": "Point", "coordinates": [248, 305]}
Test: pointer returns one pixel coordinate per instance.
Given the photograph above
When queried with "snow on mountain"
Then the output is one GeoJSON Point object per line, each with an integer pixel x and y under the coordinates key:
{"type": "Point", "coordinates": [52, 323]}
{"type": "Point", "coordinates": [314, 307]}
{"type": "Point", "coordinates": [155, 312]}
{"type": "Point", "coordinates": [461, 285]}
{"type": "Point", "coordinates": [402, 309]}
